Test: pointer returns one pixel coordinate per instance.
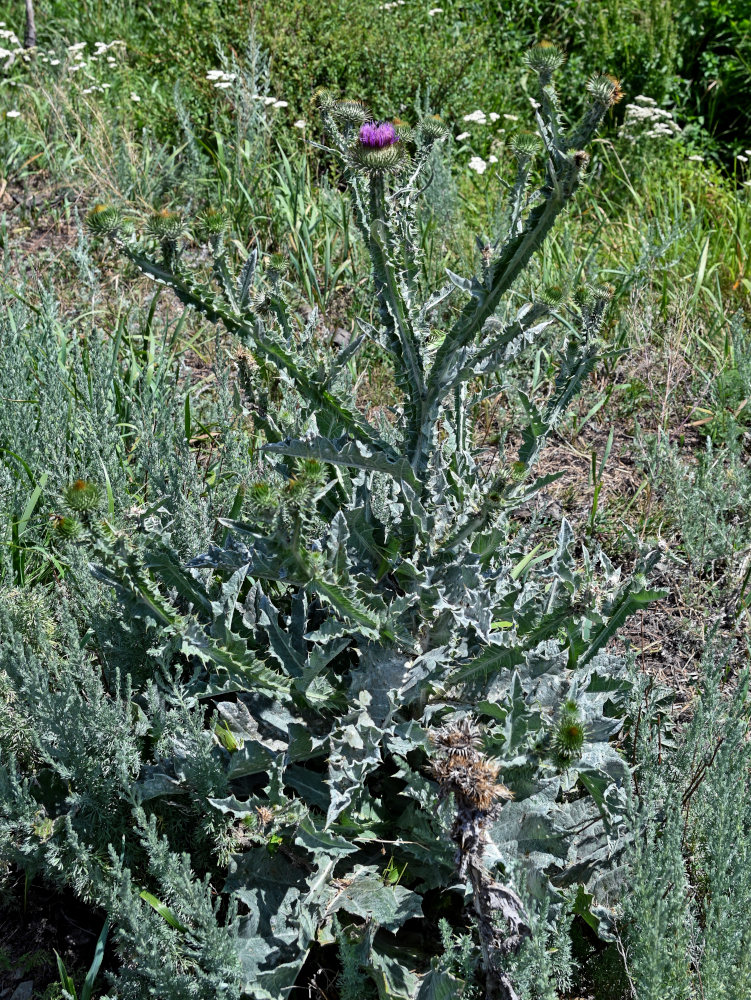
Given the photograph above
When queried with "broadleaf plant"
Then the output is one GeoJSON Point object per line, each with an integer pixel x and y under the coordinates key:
{"type": "Point", "coordinates": [373, 591]}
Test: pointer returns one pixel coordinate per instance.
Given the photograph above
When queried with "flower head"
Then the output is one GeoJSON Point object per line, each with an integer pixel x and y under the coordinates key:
{"type": "Point", "coordinates": [377, 135]}
{"type": "Point", "coordinates": [378, 147]}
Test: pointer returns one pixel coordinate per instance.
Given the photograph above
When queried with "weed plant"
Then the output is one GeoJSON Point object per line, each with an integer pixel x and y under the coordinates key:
{"type": "Point", "coordinates": [300, 668]}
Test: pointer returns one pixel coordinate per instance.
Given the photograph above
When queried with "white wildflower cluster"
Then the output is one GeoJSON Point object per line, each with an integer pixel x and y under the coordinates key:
{"type": "Point", "coordinates": [394, 3]}
{"type": "Point", "coordinates": [479, 165]}
{"type": "Point", "coordinates": [270, 102]}
{"type": "Point", "coordinates": [644, 120]}
{"type": "Point", "coordinates": [74, 60]}
{"type": "Point", "coordinates": [479, 117]}
{"type": "Point", "coordinates": [8, 38]}
{"type": "Point", "coordinates": [220, 79]}
{"type": "Point", "coordinates": [435, 10]}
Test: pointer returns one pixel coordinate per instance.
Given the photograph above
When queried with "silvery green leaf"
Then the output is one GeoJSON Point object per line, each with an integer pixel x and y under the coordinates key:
{"type": "Point", "coordinates": [348, 453]}
{"type": "Point", "coordinates": [366, 895]}
{"type": "Point", "coordinates": [245, 279]}
{"type": "Point", "coordinates": [438, 985]}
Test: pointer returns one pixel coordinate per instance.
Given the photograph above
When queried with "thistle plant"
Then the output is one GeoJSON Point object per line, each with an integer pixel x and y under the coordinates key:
{"type": "Point", "coordinates": [371, 589]}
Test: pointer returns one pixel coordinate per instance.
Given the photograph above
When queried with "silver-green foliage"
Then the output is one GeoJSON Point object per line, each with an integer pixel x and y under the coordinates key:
{"type": "Point", "coordinates": [687, 913]}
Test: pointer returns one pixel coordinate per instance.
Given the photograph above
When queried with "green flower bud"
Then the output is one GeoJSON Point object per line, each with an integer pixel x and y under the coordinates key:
{"type": "Point", "coordinates": [104, 220]}
{"type": "Point", "coordinates": [82, 496]}
{"type": "Point", "coordinates": [276, 265]}
{"type": "Point", "coordinates": [569, 735]}
{"type": "Point", "coordinates": [324, 100]}
{"type": "Point", "coordinates": [65, 527]}
{"type": "Point", "coordinates": [403, 130]}
{"type": "Point", "coordinates": [431, 128]}
{"type": "Point", "coordinates": [211, 223]}
{"type": "Point", "coordinates": [605, 90]}
{"type": "Point", "coordinates": [525, 145]}
{"type": "Point", "coordinates": [349, 112]}
{"type": "Point", "coordinates": [165, 225]}
{"type": "Point", "coordinates": [545, 59]}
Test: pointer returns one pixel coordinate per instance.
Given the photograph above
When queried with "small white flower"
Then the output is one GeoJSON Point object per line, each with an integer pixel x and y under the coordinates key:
{"type": "Point", "coordinates": [696, 158]}
{"type": "Point", "coordinates": [214, 74]}
{"type": "Point", "coordinates": [462, 136]}
{"type": "Point", "coordinates": [269, 100]}
{"type": "Point", "coordinates": [743, 159]}
{"type": "Point", "coordinates": [747, 184]}
{"type": "Point", "coordinates": [747, 152]}
{"type": "Point", "coordinates": [106, 86]}
{"type": "Point", "coordinates": [75, 67]}
{"type": "Point", "coordinates": [223, 84]}
{"type": "Point", "coordinates": [299, 123]}
{"type": "Point", "coordinates": [435, 10]}
{"type": "Point", "coordinates": [111, 61]}
{"type": "Point", "coordinates": [88, 90]}
{"type": "Point", "coordinates": [77, 47]}
{"type": "Point", "coordinates": [54, 62]}
{"type": "Point", "coordinates": [134, 96]}
{"type": "Point", "coordinates": [281, 104]}
{"type": "Point", "coordinates": [476, 116]}
{"type": "Point", "coordinates": [494, 116]}
{"type": "Point", "coordinates": [13, 114]}
{"type": "Point", "coordinates": [513, 118]}
{"type": "Point", "coordinates": [492, 159]}
{"type": "Point", "coordinates": [477, 164]}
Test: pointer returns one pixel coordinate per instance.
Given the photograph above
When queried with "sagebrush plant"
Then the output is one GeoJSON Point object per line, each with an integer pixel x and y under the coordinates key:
{"type": "Point", "coordinates": [375, 593]}
{"type": "Point", "coordinates": [686, 926]}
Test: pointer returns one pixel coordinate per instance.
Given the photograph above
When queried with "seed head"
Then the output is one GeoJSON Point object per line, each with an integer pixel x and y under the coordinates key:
{"type": "Point", "coordinates": [265, 815]}
{"type": "Point", "coordinates": [460, 768]}
{"type": "Point", "coordinates": [462, 739]}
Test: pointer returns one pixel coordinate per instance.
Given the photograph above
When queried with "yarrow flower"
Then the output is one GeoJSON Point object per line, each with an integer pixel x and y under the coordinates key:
{"type": "Point", "coordinates": [477, 164]}
{"type": "Point", "coordinates": [462, 136]}
{"type": "Point", "coordinates": [299, 123]}
{"type": "Point", "coordinates": [12, 114]}
{"type": "Point", "coordinates": [476, 116]}
{"type": "Point", "coordinates": [376, 135]}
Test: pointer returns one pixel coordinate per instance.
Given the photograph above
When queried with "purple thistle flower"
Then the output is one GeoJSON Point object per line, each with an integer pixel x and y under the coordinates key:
{"type": "Point", "coordinates": [377, 135]}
